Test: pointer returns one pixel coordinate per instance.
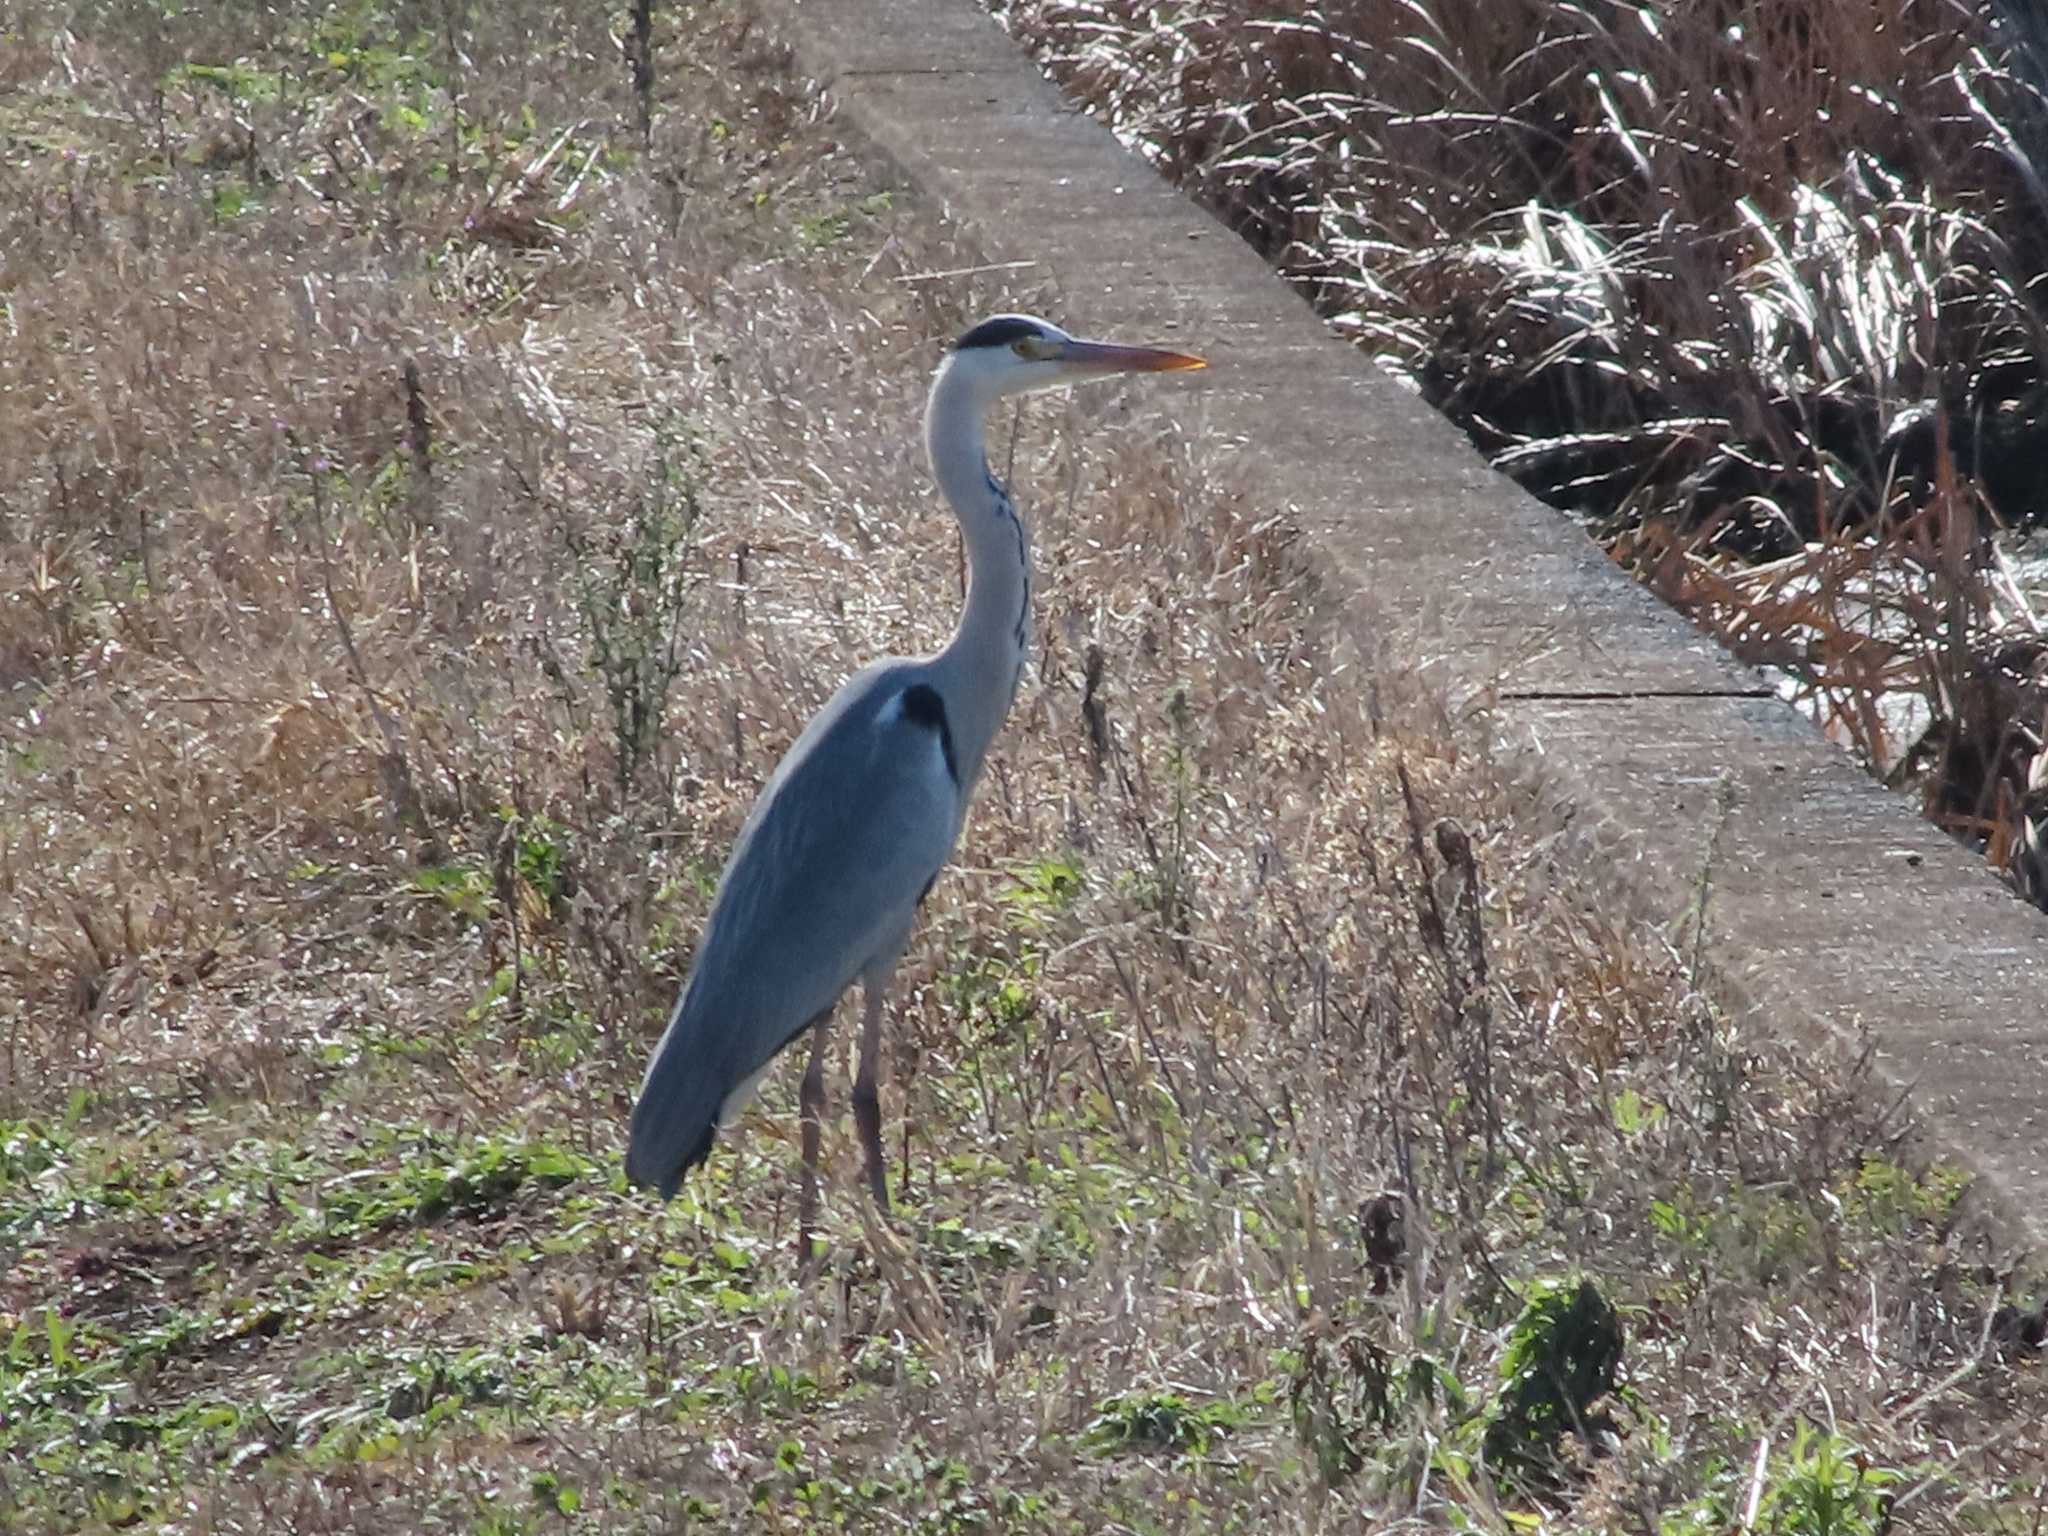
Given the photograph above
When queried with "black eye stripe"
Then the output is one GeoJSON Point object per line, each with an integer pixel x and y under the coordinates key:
{"type": "Point", "coordinates": [999, 331]}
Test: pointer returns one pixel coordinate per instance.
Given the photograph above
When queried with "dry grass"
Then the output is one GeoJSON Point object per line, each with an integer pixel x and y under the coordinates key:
{"type": "Point", "coordinates": [338, 908]}
{"type": "Point", "coordinates": [1737, 283]}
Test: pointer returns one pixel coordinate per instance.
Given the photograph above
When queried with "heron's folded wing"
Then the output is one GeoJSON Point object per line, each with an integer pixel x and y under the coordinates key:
{"type": "Point", "coordinates": [823, 883]}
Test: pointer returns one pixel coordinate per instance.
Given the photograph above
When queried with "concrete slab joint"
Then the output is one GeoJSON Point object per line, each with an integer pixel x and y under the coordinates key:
{"type": "Point", "coordinates": [1832, 899]}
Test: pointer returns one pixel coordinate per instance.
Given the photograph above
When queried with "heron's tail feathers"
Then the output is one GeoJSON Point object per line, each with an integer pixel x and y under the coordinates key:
{"type": "Point", "coordinates": [676, 1116]}
{"type": "Point", "coordinates": [650, 1160]}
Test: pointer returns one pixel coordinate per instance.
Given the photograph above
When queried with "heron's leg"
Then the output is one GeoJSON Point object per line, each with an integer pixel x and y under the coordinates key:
{"type": "Point", "coordinates": [811, 1098]}
{"type": "Point", "coordinates": [867, 1103]}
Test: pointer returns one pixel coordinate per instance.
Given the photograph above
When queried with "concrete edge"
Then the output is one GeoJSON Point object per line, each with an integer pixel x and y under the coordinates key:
{"type": "Point", "coordinates": [1828, 901]}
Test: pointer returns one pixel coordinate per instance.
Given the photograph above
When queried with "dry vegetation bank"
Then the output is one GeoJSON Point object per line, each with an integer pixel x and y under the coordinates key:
{"type": "Point", "coordinates": [1753, 286]}
{"type": "Point", "coordinates": [428, 508]}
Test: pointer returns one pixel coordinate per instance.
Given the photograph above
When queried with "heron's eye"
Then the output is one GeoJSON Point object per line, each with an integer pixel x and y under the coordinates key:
{"type": "Point", "coordinates": [1033, 349]}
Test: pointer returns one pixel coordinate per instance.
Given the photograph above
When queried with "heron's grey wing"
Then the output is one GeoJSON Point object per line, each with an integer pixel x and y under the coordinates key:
{"type": "Point", "coordinates": [823, 882]}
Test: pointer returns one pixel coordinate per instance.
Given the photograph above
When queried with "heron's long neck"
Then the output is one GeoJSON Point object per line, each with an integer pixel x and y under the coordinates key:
{"type": "Point", "coordinates": [978, 671]}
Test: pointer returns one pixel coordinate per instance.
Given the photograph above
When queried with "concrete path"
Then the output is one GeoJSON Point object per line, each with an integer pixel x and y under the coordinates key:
{"type": "Point", "coordinates": [1831, 903]}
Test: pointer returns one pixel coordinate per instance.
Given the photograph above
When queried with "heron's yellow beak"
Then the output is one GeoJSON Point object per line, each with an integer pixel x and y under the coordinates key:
{"type": "Point", "coordinates": [1106, 357]}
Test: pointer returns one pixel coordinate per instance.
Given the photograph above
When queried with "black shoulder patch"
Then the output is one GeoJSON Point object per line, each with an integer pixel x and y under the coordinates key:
{"type": "Point", "coordinates": [999, 331]}
{"type": "Point", "coordinates": [923, 706]}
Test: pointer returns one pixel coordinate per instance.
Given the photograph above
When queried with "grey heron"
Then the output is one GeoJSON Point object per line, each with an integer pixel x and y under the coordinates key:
{"type": "Point", "coordinates": [854, 825]}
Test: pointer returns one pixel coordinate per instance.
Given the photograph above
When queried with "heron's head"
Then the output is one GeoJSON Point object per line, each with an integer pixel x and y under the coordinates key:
{"type": "Point", "coordinates": [1010, 354]}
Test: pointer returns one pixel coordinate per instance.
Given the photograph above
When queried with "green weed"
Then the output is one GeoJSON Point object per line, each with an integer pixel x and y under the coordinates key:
{"type": "Point", "coordinates": [437, 1181]}
{"type": "Point", "coordinates": [1562, 1360]}
{"type": "Point", "coordinates": [464, 889]}
{"type": "Point", "coordinates": [1822, 1484]}
{"type": "Point", "coordinates": [1145, 1422]}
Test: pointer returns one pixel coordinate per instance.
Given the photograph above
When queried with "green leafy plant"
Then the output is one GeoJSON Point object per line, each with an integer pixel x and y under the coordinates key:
{"type": "Point", "coordinates": [1823, 1484]}
{"type": "Point", "coordinates": [1562, 1359]}
{"type": "Point", "coordinates": [1827, 1487]}
{"type": "Point", "coordinates": [1045, 889]}
{"type": "Point", "coordinates": [463, 889]}
{"type": "Point", "coordinates": [1160, 1421]}
{"type": "Point", "coordinates": [541, 856]}
{"type": "Point", "coordinates": [434, 1182]}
